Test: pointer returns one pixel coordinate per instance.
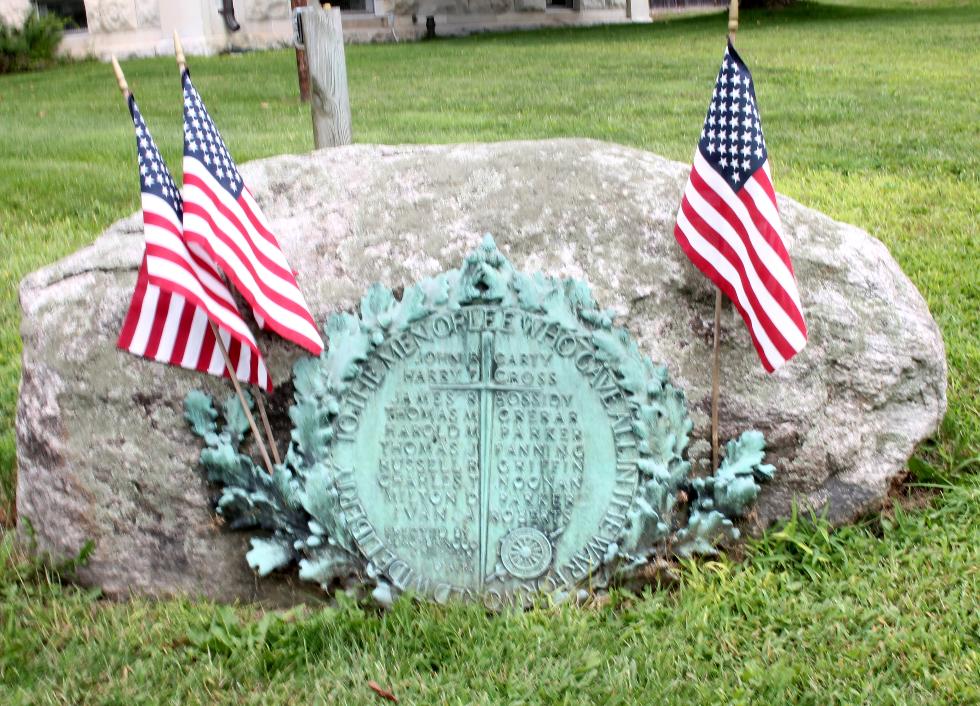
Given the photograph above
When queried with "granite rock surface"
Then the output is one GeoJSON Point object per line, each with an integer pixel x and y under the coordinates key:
{"type": "Point", "coordinates": [104, 453]}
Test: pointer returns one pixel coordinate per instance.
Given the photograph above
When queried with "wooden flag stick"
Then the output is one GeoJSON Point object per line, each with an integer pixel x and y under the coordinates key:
{"type": "Point", "coordinates": [268, 428]}
{"type": "Point", "coordinates": [241, 397]}
{"type": "Point", "coordinates": [715, 374]}
{"type": "Point", "coordinates": [716, 363]}
{"type": "Point", "coordinates": [120, 77]}
{"type": "Point", "coordinates": [179, 53]}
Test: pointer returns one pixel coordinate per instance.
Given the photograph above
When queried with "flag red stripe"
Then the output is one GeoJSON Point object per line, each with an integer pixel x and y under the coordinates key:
{"type": "Point", "coordinates": [253, 368]}
{"type": "Point", "coordinates": [154, 219]}
{"type": "Point", "coordinates": [159, 321]}
{"type": "Point", "coordinates": [269, 293]}
{"type": "Point", "coordinates": [207, 352]}
{"type": "Point", "coordinates": [234, 353]}
{"type": "Point", "coordinates": [135, 306]}
{"type": "Point", "coordinates": [193, 207]}
{"type": "Point", "coordinates": [711, 273]}
{"type": "Point", "coordinates": [761, 177]}
{"type": "Point", "coordinates": [183, 333]}
{"type": "Point", "coordinates": [725, 250]}
{"type": "Point", "coordinates": [768, 280]}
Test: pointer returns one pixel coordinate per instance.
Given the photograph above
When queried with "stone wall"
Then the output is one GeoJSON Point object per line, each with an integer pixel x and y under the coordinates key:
{"type": "Point", "coordinates": [113, 16]}
{"type": "Point", "coordinates": [144, 27]}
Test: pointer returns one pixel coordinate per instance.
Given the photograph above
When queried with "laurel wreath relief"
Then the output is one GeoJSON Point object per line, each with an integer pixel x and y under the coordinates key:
{"type": "Point", "coordinates": [295, 514]}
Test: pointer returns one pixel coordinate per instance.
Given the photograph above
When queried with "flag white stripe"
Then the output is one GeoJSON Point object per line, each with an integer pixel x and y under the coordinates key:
{"type": "Point", "coordinates": [766, 209]}
{"type": "Point", "coordinates": [144, 327]}
{"type": "Point", "coordinates": [195, 339]}
{"type": "Point", "coordinates": [727, 272]}
{"type": "Point", "coordinates": [269, 250]}
{"type": "Point", "coordinates": [216, 366]}
{"type": "Point", "coordinates": [244, 361]}
{"type": "Point", "coordinates": [267, 307]}
{"type": "Point", "coordinates": [170, 328]}
{"type": "Point", "coordinates": [770, 259]}
{"type": "Point", "coordinates": [772, 308]}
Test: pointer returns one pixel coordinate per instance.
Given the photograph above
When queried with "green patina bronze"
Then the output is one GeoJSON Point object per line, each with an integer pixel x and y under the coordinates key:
{"type": "Point", "coordinates": [491, 436]}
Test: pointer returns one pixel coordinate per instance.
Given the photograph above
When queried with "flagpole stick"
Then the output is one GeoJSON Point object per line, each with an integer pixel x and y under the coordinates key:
{"type": "Point", "coordinates": [715, 375]}
{"type": "Point", "coordinates": [241, 397]}
{"type": "Point", "coordinates": [179, 53]}
{"type": "Point", "coordinates": [120, 78]}
{"type": "Point", "coordinates": [268, 428]}
{"type": "Point", "coordinates": [716, 363]}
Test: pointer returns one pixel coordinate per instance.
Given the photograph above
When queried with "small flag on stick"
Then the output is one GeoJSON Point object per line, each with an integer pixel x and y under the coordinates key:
{"type": "Point", "coordinates": [178, 293]}
{"type": "Point", "coordinates": [223, 221]}
{"type": "Point", "coordinates": [728, 224]}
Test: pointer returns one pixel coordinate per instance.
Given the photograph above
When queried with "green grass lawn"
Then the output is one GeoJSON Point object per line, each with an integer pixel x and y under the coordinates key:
{"type": "Point", "coordinates": [871, 115]}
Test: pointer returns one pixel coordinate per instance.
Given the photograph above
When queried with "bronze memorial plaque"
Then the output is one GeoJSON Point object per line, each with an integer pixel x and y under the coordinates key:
{"type": "Point", "coordinates": [489, 436]}
{"type": "Point", "coordinates": [486, 450]}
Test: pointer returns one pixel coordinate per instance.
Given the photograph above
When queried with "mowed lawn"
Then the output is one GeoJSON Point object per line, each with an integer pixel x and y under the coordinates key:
{"type": "Point", "coordinates": [871, 115]}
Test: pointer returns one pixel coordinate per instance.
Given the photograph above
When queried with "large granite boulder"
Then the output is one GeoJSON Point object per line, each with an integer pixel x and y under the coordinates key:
{"type": "Point", "coordinates": [104, 453]}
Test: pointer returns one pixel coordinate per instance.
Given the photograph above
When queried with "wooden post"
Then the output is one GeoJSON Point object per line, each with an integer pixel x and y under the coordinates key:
{"type": "Point", "coordinates": [330, 101]}
{"type": "Point", "coordinates": [302, 67]}
{"type": "Point", "coordinates": [716, 362]}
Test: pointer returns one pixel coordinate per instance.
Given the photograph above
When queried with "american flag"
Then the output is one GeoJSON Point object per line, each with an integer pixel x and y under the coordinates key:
{"type": "Point", "coordinates": [177, 293]}
{"type": "Point", "coordinates": [223, 221]}
{"type": "Point", "coordinates": [728, 224]}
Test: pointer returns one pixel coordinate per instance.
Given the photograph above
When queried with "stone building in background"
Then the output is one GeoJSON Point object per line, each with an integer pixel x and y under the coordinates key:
{"type": "Point", "coordinates": [144, 27]}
